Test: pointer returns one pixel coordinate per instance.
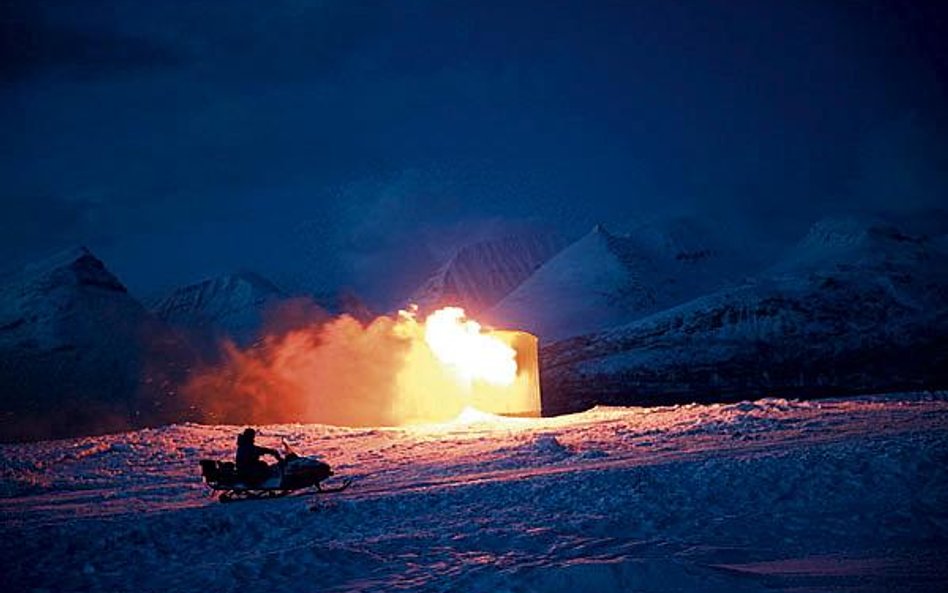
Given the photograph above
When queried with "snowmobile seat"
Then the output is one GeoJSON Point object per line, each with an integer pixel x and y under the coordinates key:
{"type": "Point", "coordinates": [221, 472]}
{"type": "Point", "coordinates": [227, 471]}
{"type": "Point", "coordinates": [209, 470]}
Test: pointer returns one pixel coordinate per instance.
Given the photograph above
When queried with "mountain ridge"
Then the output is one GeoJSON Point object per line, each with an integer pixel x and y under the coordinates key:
{"type": "Point", "coordinates": [869, 313]}
{"type": "Point", "coordinates": [78, 352]}
{"type": "Point", "coordinates": [479, 274]}
{"type": "Point", "coordinates": [605, 279]}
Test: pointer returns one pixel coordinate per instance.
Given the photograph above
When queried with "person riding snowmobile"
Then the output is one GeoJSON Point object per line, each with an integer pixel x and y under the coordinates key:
{"type": "Point", "coordinates": [250, 468]}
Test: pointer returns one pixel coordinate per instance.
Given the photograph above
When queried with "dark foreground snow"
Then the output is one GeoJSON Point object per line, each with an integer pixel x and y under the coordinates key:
{"type": "Point", "coordinates": [776, 495]}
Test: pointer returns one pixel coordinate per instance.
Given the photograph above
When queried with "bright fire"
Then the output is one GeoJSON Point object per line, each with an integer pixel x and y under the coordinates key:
{"type": "Point", "coordinates": [393, 370]}
{"type": "Point", "coordinates": [461, 344]}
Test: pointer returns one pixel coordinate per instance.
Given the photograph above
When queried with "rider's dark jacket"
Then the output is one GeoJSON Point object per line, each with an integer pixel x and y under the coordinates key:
{"type": "Point", "coordinates": [249, 464]}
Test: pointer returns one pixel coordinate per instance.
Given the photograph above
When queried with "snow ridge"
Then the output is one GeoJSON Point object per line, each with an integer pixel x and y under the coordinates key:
{"type": "Point", "coordinates": [232, 305]}
{"type": "Point", "coordinates": [604, 279]}
{"type": "Point", "coordinates": [480, 274]}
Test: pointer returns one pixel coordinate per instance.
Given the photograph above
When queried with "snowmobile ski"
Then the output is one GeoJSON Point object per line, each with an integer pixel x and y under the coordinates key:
{"type": "Point", "coordinates": [320, 489]}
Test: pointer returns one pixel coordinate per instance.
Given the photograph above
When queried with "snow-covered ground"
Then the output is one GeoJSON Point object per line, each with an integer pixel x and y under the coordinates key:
{"type": "Point", "coordinates": [842, 495]}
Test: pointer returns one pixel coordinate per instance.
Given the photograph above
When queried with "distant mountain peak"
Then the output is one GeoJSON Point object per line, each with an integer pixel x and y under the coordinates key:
{"type": "Point", "coordinates": [858, 306]}
{"type": "Point", "coordinates": [61, 259]}
{"type": "Point", "coordinates": [846, 239]}
{"type": "Point", "coordinates": [232, 303]}
{"type": "Point", "coordinates": [244, 282]}
{"type": "Point", "coordinates": [604, 279]}
{"type": "Point", "coordinates": [481, 273]}
{"type": "Point", "coordinates": [252, 278]}
{"type": "Point", "coordinates": [600, 229]}
{"type": "Point", "coordinates": [74, 342]}
{"type": "Point", "coordinates": [75, 266]}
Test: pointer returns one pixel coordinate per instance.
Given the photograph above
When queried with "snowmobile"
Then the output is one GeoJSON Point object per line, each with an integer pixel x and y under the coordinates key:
{"type": "Point", "coordinates": [295, 472]}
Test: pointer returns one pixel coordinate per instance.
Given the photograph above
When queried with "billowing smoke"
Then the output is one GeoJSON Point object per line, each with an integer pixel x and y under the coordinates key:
{"type": "Point", "coordinates": [338, 372]}
{"type": "Point", "coordinates": [389, 371]}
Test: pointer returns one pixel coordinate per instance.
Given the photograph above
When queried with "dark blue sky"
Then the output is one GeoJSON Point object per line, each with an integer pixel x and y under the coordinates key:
{"type": "Point", "coordinates": [329, 144]}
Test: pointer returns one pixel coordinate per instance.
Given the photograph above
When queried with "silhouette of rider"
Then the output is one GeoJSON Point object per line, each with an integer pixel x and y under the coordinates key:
{"type": "Point", "coordinates": [250, 468]}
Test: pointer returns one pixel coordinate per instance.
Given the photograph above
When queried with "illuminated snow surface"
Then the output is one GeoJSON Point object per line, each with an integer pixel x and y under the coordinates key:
{"type": "Point", "coordinates": [776, 495]}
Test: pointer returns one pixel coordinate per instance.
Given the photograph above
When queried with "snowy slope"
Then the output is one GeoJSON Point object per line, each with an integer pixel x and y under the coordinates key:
{"type": "Point", "coordinates": [480, 274]}
{"type": "Point", "coordinates": [775, 495]}
{"type": "Point", "coordinates": [37, 300]}
{"type": "Point", "coordinates": [242, 306]}
{"type": "Point", "coordinates": [604, 280]}
{"type": "Point", "coordinates": [231, 305]}
{"type": "Point", "coordinates": [73, 341]}
{"type": "Point", "coordinates": [859, 305]}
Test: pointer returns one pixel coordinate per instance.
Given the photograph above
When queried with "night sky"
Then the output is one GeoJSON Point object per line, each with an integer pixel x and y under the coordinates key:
{"type": "Point", "coordinates": [346, 144]}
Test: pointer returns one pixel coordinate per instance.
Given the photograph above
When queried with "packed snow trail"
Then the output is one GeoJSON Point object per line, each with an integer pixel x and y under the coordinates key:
{"type": "Point", "coordinates": [780, 495]}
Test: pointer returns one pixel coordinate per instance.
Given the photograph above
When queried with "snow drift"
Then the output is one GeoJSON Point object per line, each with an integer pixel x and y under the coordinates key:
{"type": "Point", "coordinates": [772, 495]}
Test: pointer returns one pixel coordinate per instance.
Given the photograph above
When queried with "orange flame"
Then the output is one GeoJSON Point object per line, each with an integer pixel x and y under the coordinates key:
{"type": "Point", "coordinates": [393, 370]}
{"type": "Point", "coordinates": [461, 344]}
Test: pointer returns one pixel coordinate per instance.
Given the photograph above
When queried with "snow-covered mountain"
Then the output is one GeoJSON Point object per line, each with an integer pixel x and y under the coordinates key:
{"type": "Point", "coordinates": [858, 305]}
{"type": "Point", "coordinates": [605, 279]}
{"type": "Point", "coordinates": [479, 275]}
{"type": "Point", "coordinates": [233, 305]}
{"type": "Point", "coordinates": [244, 306]}
{"type": "Point", "coordinates": [78, 353]}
